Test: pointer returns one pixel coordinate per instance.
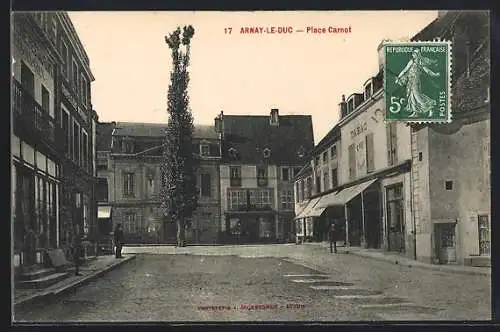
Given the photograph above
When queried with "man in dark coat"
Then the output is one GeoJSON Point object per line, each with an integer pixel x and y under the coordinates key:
{"type": "Point", "coordinates": [77, 249]}
{"type": "Point", "coordinates": [333, 236]}
{"type": "Point", "coordinates": [119, 239]}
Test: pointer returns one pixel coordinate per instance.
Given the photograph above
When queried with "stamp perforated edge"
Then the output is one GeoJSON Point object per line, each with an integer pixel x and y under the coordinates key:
{"type": "Point", "coordinates": [449, 65]}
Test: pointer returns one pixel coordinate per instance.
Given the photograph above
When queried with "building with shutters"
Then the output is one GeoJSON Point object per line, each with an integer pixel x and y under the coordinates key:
{"type": "Point", "coordinates": [451, 163]}
{"type": "Point", "coordinates": [129, 175]}
{"type": "Point", "coordinates": [360, 176]}
{"type": "Point", "coordinates": [52, 142]}
{"type": "Point", "coordinates": [260, 157]}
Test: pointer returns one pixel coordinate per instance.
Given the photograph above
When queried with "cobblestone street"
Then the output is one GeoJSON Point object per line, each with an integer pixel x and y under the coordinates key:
{"type": "Point", "coordinates": [191, 285]}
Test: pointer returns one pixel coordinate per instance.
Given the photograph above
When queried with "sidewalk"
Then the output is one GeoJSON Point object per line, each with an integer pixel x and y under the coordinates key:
{"type": "Point", "coordinates": [395, 258]}
{"type": "Point", "coordinates": [90, 270]}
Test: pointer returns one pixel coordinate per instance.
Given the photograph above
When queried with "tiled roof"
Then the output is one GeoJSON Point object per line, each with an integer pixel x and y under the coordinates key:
{"type": "Point", "coordinates": [250, 135]}
{"type": "Point", "coordinates": [139, 129]}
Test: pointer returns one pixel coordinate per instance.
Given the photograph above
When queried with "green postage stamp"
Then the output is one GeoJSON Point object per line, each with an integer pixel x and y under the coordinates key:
{"type": "Point", "coordinates": [417, 81]}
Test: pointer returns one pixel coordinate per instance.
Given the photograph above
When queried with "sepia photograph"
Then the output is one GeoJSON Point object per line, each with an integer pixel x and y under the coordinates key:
{"type": "Point", "coordinates": [250, 166]}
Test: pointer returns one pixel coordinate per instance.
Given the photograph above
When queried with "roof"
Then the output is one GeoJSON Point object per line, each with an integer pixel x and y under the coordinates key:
{"type": "Point", "coordinates": [305, 171]}
{"type": "Point", "coordinates": [141, 129]}
{"type": "Point", "coordinates": [104, 132]}
{"type": "Point", "coordinates": [250, 135]}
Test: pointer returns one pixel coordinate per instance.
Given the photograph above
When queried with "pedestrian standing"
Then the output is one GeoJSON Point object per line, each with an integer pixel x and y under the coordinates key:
{"type": "Point", "coordinates": [77, 249]}
{"type": "Point", "coordinates": [333, 237]}
{"type": "Point", "coordinates": [119, 239]}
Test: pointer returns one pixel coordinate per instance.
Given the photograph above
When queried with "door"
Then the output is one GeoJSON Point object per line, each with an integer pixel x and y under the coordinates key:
{"type": "Point", "coordinates": [395, 218]}
{"type": "Point", "coordinates": [446, 248]}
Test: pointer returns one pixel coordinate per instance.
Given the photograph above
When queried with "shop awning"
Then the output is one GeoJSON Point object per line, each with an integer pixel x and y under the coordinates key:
{"type": "Point", "coordinates": [103, 212]}
{"type": "Point", "coordinates": [344, 196]}
{"type": "Point", "coordinates": [307, 211]}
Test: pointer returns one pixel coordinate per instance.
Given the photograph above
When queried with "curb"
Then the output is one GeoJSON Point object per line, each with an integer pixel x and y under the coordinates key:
{"type": "Point", "coordinates": [67, 288]}
{"type": "Point", "coordinates": [418, 265]}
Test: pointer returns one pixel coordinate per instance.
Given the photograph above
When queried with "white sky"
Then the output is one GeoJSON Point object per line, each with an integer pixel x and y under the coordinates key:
{"type": "Point", "coordinates": [298, 73]}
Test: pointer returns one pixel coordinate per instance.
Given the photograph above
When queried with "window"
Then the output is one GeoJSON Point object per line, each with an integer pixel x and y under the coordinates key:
{"type": "Point", "coordinates": [287, 200]}
{"type": "Point", "coordinates": [392, 142]}
{"type": "Point", "coordinates": [206, 188]}
{"type": "Point", "coordinates": [368, 91]}
{"type": "Point", "coordinates": [326, 181]}
{"type": "Point", "coordinates": [76, 142]}
{"type": "Point", "coordinates": [102, 190]}
{"type": "Point", "coordinates": [325, 156]}
{"type": "Point", "coordinates": [128, 184]}
{"type": "Point", "coordinates": [302, 190]}
{"type": "Point", "coordinates": [335, 180]}
{"type": "Point", "coordinates": [74, 77]}
{"type": "Point", "coordinates": [333, 152]}
{"type": "Point", "coordinates": [46, 101]}
{"type": "Point", "coordinates": [297, 189]}
{"type": "Point", "coordinates": [83, 91]}
{"type": "Point", "coordinates": [65, 125]}
{"type": "Point", "coordinates": [237, 199]}
{"type": "Point", "coordinates": [352, 162]}
{"type": "Point", "coordinates": [85, 147]}
{"type": "Point", "coordinates": [484, 235]}
{"type": "Point", "coordinates": [448, 185]}
{"type": "Point", "coordinates": [27, 79]}
{"type": "Point", "coordinates": [214, 150]}
{"type": "Point", "coordinates": [266, 153]}
{"type": "Point", "coordinates": [204, 150]}
{"type": "Point", "coordinates": [317, 160]}
{"type": "Point", "coordinates": [129, 222]}
{"type": "Point", "coordinates": [64, 54]}
{"type": "Point", "coordinates": [370, 162]}
{"type": "Point", "coordinates": [235, 176]}
{"type": "Point", "coordinates": [261, 175]}
{"type": "Point", "coordinates": [285, 176]}
{"type": "Point", "coordinates": [308, 190]}
{"type": "Point", "coordinates": [260, 199]}
{"type": "Point", "coordinates": [318, 185]}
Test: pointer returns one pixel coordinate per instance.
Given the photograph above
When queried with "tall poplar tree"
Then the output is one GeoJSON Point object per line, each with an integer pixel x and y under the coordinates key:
{"type": "Point", "coordinates": [179, 192]}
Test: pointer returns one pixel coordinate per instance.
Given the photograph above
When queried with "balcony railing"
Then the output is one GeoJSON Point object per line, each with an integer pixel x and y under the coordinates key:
{"type": "Point", "coordinates": [250, 200]}
{"type": "Point", "coordinates": [31, 114]}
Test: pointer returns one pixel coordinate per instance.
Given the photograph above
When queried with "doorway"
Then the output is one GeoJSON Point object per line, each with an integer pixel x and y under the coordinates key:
{"type": "Point", "coordinates": [373, 219]}
{"type": "Point", "coordinates": [395, 218]}
{"type": "Point", "coordinates": [445, 242]}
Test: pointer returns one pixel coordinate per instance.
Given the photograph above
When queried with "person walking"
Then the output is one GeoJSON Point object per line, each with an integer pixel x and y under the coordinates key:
{"type": "Point", "coordinates": [77, 249]}
{"type": "Point", "coordinates": [333, 237]}
{"type": "Point", "coordinates": [119, 239]}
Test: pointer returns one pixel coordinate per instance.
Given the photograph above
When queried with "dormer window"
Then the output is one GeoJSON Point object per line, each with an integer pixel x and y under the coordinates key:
{"type": "Point", "coordinates": [204, 150]}
{"type": "Point", "coordinates": [266, 153]}
{"type": "Point", "coordinates": [368, 89]}
{"type": "Point", "coordinates": [232, 152]}
{"type": "Point", "coordinates": [301, 152]}
{"type": "Point", "coordinates": [350, 105]}
{"type": "Point", "coordinates": [274, 118]}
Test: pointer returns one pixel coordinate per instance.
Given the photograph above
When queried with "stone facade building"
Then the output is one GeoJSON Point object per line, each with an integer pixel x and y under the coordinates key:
{"type": "Point", "coordinates": [129, 180]}
{"type": "Point", "coordinates": [451, 163]}
{"type": "Point", "coordinates": [260, 157]}
{"type": "Point", "coordinates": [52, 143]}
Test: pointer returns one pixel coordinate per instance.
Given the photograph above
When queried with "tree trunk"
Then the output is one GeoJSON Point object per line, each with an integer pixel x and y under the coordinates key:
{"type": "Point", "coordinates": [180, 233]}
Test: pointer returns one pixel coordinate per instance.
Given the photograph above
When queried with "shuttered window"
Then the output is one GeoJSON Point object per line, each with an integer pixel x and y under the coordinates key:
{"type": "Point", "coordinates": [370, 162]}
{"type": "Point", "coordinates": [392, 143]}
{"type": "Point", "coordinates": [205, 185]}
{"type": "Point", "coordinates": [352, 162]}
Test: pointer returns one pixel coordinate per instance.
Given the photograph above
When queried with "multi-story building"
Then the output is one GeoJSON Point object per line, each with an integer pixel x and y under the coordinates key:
{"type": "Point", "coordinates": [53, 135]}
{"type": "Point", "coordinates": [129, 180]}
{"type": "Point", "coordinates": [260, 157]}
{"type": "Point", "coordinates": [451, 163]}
{"type": "Point", "coordinates": [357, 181]}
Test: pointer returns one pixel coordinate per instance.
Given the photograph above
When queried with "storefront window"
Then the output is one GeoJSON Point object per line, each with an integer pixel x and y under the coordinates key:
{"type": "Point", "coordinates": [298, 226]}
{"type": "Point", "coordinates": [235, 226]}
{"type": "Point", "coordinates": [265, 228]}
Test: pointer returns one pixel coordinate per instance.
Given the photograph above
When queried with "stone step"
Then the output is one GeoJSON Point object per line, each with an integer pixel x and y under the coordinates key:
{"type": "Point", "coordinates": [42, 282]}
{"type": "Point", "coordinates": [36, 274]}
{"type": "Point", "coordinates": [478, 261]}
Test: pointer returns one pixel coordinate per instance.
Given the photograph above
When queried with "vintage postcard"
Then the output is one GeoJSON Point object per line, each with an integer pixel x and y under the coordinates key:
{"type": "Point", "coordinates": [210, 166]}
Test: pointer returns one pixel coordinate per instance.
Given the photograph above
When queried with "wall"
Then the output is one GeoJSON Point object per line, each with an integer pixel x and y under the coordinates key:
{"type": "Point", "coordinates": [354, 132]}
{"type": "Point", "coordinates": [462, 157]}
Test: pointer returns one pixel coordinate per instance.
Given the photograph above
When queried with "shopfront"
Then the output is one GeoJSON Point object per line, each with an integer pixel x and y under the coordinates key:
{"type": "Point", "coordinates": [250, 227]}
{"type": "Point", "coordinates": [35, 203]}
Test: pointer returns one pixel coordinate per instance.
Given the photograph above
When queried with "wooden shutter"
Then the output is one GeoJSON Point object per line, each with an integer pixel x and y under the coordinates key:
{"type": "Point", "coordinates": [370, 162]}
{"type": "Point", "coordinates": [352, 161]}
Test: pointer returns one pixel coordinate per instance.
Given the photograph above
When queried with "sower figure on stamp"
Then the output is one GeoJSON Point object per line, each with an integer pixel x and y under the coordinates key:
{"type": "Point", "coordinates": [77, 249]}
{"type": "Point", "coordinates": [119, 239]}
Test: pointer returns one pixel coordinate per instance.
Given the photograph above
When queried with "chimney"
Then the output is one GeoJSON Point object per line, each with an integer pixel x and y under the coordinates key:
{"type": "Point", "coordinates": [274, 118]}
{"type": "Point", "coordinates": [381, 55]}
{"type": "Point", "coordinates": [219, 122]}
{"type": "Point", "coordinates": [343, 107]}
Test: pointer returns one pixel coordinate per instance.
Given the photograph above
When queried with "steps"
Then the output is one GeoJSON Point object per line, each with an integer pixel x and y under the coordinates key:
{"type": "Point", "coordinates": [39, 279]}
{"type": "Point", "coordinates": [478, 261]}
